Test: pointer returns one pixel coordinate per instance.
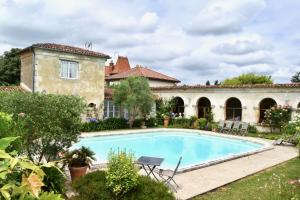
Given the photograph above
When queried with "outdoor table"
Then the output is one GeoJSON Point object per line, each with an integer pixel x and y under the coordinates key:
{"type": "Point", "coordinates": [151, 163]}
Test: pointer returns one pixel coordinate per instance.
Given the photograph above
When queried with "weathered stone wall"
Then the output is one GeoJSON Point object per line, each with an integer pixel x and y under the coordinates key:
{"type": "Point", "coordinates": [89, 85]}
{"type": "Point", "coordinates": [249, 97]}
{"type": "Point", "coordinates": [26, 70]}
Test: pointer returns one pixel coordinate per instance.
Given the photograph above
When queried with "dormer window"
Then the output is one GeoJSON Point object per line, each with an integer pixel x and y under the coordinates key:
{"type": "Point", "coordinates": [69, 69]}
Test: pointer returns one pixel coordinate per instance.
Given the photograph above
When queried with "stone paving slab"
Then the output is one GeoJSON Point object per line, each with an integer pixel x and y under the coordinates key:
{"type": "Point", "coordinates": [203, 180]}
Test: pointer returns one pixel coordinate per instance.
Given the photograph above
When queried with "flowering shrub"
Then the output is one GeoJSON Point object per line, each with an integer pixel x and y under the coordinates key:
{"type": "Point", "coordinates": [277, 117]}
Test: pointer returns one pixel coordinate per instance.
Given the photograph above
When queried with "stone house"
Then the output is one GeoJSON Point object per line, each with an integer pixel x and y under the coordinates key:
{"type": "Point", "coordinates": [62, 69]}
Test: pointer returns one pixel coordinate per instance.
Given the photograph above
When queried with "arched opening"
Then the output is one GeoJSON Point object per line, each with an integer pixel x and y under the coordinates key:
{"type": "Point", "coordinates": [92, 111]}
{"type": "Point", "coordinates": [233, 109]}
{"type": "Point", "coordinates": [179, 106]}
{"type": "Point", "coordinates": [204, 107]}
{"type": "Point", "coordinates": [264, 105]}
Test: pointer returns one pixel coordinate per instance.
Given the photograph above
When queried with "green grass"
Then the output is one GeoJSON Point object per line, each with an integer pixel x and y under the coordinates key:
{"type": "Point", "coordinates": [277, 183]}
{"type": "Point", "coordinates": [270, 136]}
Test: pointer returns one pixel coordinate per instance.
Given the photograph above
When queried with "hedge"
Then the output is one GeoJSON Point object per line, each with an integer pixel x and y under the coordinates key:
{"type": "Point", "coordinates": [107, 124]}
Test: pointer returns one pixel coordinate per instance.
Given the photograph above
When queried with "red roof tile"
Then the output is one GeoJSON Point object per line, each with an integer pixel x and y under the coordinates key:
{"type": "Point", "coordinates": [143, 72]}
{"type": "Point", "coordinates": [67, 49]}
{"type": "Point", "coordinates": [184, 87]}
{"type": "Point", "coordinates": [122, 65]}
{"type": "Point", "coordinates": [11, 88]}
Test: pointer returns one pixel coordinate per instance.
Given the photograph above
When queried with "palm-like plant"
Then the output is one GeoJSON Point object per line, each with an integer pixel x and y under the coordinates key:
{"type": "Point", "coordinates": [80, 157]}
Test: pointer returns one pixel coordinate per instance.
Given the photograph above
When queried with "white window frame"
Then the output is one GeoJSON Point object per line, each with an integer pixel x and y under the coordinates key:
{"type": "Point", "coordinates": [114, 109]}
{"type": "Point", "coordinates": [69, 69]}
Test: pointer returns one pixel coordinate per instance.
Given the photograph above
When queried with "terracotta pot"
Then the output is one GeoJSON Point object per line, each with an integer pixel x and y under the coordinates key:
{"type": "Point", "coordinates": [77, 172]}
{"type": "Point", "coordinates": [166, 122]}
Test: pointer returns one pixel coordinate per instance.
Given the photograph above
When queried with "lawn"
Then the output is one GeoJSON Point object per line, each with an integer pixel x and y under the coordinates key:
{"type": "Point", "coordinates": [277, 183]}
{"type": "Point", "coordinates": [270, 136]}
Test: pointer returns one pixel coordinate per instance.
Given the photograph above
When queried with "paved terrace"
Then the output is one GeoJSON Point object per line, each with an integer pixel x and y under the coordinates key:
{"type": "Point", "coordinates": [202, 180]}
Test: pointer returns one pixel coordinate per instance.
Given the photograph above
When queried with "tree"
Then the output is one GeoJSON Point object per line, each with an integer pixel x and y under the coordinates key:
{"type": "Point", "coordinates": [48, 123]}
{"type": "Point", "coordinates": [250, 78]}
{"type": "Point", "coordinates": [216, 82]}
{"type": "Point", "coordinates": [135, 95]}
{"type": "Point", "coordinates": [296, 78]}
{"type": "Point", "coordinates": [207, 83]}
{"type": "Point", "coordinates": [10, 65]}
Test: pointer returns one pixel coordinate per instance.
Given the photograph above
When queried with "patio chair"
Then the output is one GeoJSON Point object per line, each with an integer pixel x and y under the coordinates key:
{"type": "Point", "coordinates": [168, 175]}
{"type": "Point", "coordinates": [291, 140]}
{"type": "Point", "coordinates": [227, 127]}
{"type": "Point", "coordinates": [221, 125]}
{"type": "Point", "coordinates": [236, 127]}
{"type": "Point", "coordinates": [244, 128]}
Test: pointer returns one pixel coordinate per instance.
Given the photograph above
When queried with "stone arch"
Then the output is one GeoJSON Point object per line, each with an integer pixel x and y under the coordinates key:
{"type": "Point", "coordinates": [233, 109]}
{"type": "Point", "coordinates": [179, 106]}
{"type": "Point", "coordinates": [92, 111]}
{"type": "Point", "coordinates": [264, 105]}
{"type": "Point", "coordinates": [204, 107]}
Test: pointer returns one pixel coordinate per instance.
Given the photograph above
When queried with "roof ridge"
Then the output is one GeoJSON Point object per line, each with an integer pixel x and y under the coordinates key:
{"type": "Point", "coordinates": [67, 48]}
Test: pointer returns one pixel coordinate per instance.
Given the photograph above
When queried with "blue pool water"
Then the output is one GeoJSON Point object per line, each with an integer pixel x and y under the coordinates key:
{"type": "Point", "coordinates": [170, 145]}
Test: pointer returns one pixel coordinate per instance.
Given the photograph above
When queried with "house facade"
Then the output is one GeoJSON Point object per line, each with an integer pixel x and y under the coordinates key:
{"type": "Point", "coordinates": [61, 69]}
{"type": "Point", "coordinates": [242, 102]}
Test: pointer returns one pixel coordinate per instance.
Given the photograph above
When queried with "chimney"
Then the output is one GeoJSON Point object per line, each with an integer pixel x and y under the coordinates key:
{"type": "Point", "coordinates": [111, 64]}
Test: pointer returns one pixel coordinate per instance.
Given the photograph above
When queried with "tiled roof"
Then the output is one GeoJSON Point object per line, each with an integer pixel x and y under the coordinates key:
{"type": "Point", "coordinates": [67, 49]}
{"type": "Point", "coordinates": [184, 87]}
{"type": "Point", "coordinates": [144, 72]}
{"type": "Point", "coordinates": [122, 65]}
{"type": "Point", "coordinates": [11, 88]}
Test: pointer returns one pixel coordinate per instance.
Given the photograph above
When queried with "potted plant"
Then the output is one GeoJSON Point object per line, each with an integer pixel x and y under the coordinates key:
{"type": "Point", "coordinates": [78, 161]}
{"type": "Point", "coordinates": [166, 120]}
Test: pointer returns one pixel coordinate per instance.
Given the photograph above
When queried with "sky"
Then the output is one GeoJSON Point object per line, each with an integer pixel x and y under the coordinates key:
{"type": "Point", "coordinates": [191, 40]}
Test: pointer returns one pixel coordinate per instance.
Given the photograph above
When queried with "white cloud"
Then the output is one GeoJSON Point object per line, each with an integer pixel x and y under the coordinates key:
{"type": "Point", "coordinates": [224, 17]}
{"type": "Point", "coordinates": [193, 40]}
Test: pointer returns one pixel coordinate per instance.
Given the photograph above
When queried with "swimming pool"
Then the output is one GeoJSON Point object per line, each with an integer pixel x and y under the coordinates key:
{"type": "Point", "coordinates": [196, 148]}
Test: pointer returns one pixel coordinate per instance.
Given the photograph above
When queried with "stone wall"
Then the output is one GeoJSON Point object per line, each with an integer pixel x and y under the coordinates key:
{"type": "Point", "coordinates": [250, 99]}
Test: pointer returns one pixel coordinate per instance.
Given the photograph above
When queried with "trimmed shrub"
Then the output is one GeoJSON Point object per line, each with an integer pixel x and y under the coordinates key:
{"type": "Point", "coordinates": [202, 123]}
{"type": "Point", "coordinates": [107, 124]}
{"type": "Point", "coordinates": [252, 129]}
{"type": "Point", "coordinates": [121, 176]}
{"type": "Point", "coordinates": [93, 187]}
{"type": "Point", "coordinates": [137, 123]}
{"type": "Point", "coordinates": [182, 122]}
{"type": "Point", "coordinates": [151, 122]}
{"type": "Point", "coordinates": [115, 123]}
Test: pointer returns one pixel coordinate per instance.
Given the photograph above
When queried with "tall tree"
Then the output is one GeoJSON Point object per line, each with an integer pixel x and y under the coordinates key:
{"type": "Point", "coordinates": [207, 83]}
{"type": "Point", "coordinates": [296, 78]}
{"type": "Point", "coordinates": [216, 82]}
{"type": "Point", "coordinates": [250, 78]}
{"type": "Point", "coordinates": [135, 95]}
{"type": "Point", "coordinates": [10, 65]}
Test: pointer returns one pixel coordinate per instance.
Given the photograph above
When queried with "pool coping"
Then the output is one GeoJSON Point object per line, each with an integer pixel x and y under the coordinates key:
{"type": "Point", "coordinates": [266, 145]}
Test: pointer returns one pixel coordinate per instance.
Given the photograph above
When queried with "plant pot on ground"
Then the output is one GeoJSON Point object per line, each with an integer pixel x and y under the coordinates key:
{"type": "Point", "coordinates": [78, 161]}
{"type": "Point", "coordinates": [166, 121]}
